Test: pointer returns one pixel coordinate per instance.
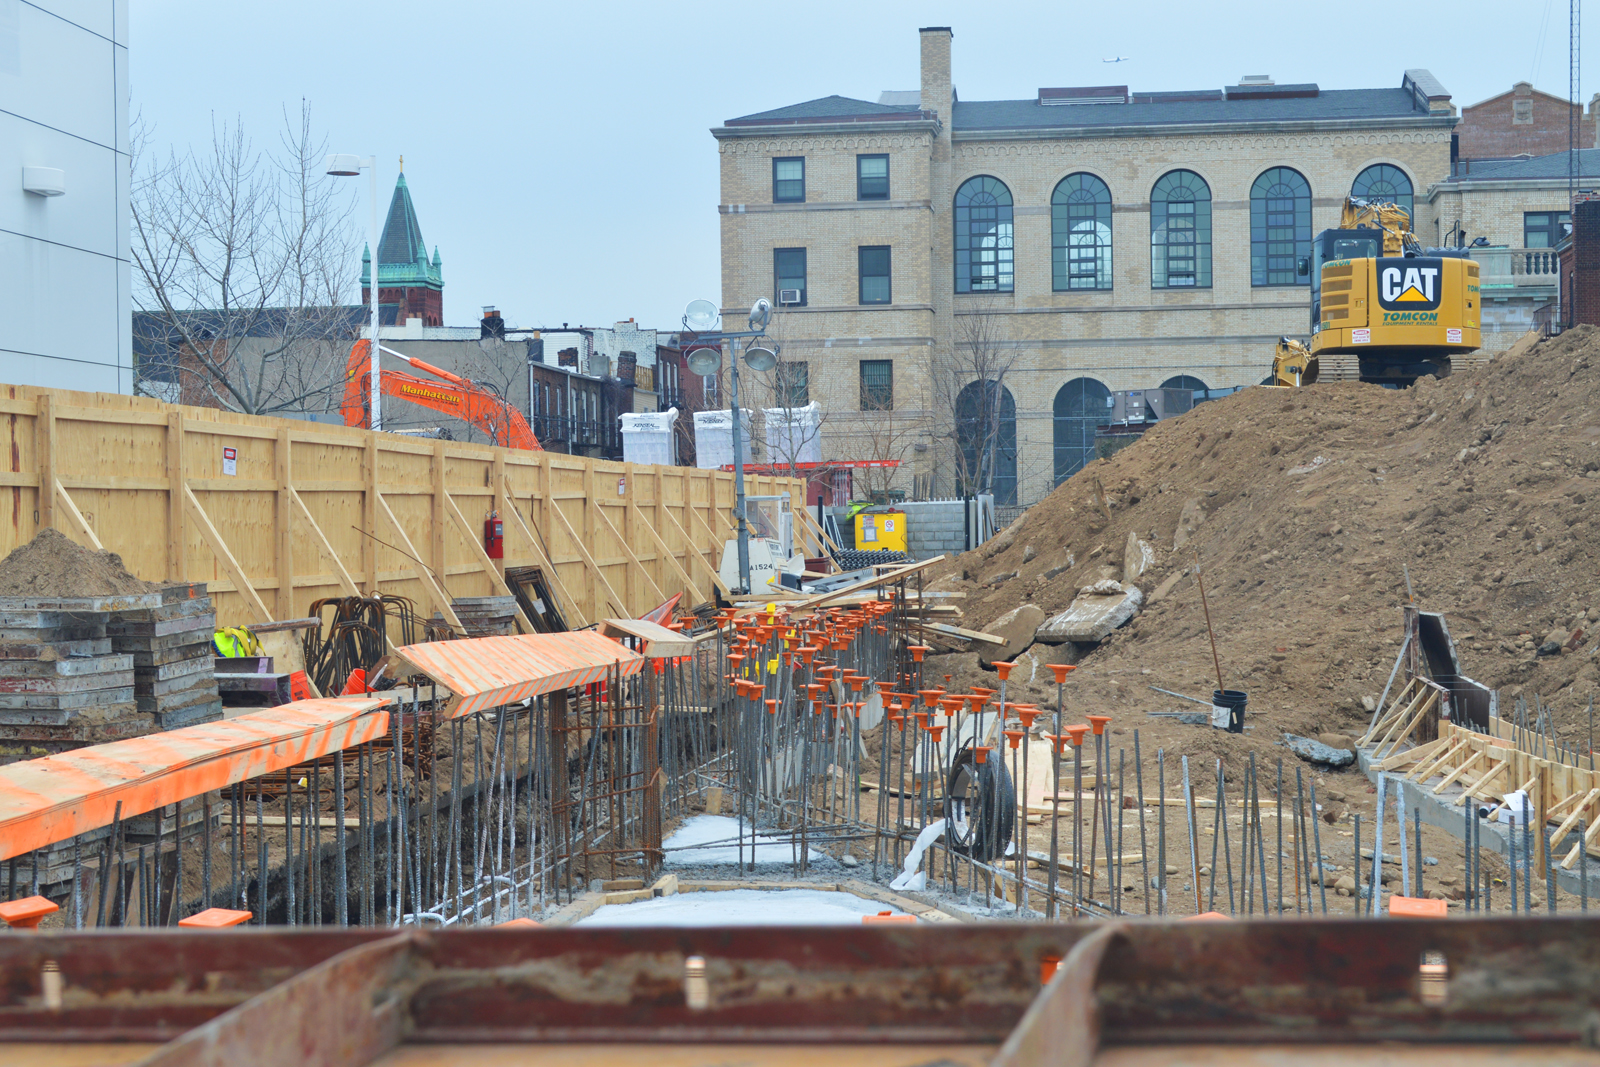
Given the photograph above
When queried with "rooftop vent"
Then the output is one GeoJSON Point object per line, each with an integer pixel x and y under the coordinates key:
{"type": "Point", "coordinates": [1256, 79]}
{"type": "Point", "coordinates": [907, 98]}
{"type": "Point", "coordinates": [1088, 94]}
{"type": "Point", "coordinates": [1270, 91]}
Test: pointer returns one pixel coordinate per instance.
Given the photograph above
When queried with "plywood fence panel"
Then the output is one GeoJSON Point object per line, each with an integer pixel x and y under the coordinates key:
{"type": "Point", "coordinates": [152, 482]}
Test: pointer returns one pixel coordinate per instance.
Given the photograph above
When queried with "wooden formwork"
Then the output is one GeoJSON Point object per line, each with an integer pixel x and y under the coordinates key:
{"type": "Point", "coordinates": [1561, 788]}
{"type": "Point", "coordinates": [311, 511]}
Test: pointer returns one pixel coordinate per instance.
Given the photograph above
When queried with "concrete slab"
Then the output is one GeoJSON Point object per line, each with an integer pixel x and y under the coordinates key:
{"type": "Point", "coordinates": [1091, 618]}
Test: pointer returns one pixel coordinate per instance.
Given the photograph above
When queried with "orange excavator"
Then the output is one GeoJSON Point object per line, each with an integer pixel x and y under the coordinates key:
{"type": "Point", "coordinates": [450, 394]}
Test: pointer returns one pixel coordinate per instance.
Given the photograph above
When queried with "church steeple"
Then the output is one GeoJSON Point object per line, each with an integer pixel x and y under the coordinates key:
{"type": "Point", "coordinates": [408, 283]}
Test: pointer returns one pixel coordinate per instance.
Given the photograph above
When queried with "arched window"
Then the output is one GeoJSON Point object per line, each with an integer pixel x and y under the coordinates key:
{"type": "Point", "coordinates": [983, 236]}
{"type": "Point", "coordinates": [1280, 227]}
{"type": "Point", "coordinates": [986, 430]}
{"type": "Point", "coordinates": [1180, 232]}
{"type": "Point", "coordinates": [1080, 407]}
{"type": "Point", "coordinates": [1382, 181]}
{"type": "Point", "coordinates": [1183, 381]}
{"type": "Point", "coordinates": [1080, 233]}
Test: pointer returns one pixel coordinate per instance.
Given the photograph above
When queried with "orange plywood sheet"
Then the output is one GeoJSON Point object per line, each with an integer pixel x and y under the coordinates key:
{"type": "Point", "coordinates": [43, 801]}
{"type": "Point", "coordinates": [485, 672]}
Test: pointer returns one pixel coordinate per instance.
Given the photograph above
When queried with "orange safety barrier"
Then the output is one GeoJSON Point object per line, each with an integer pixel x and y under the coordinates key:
{"type": "Point", "coordinates": [887, 917]}
{"type": "Point", "coordinates": [51, 799]}
{"type": "Point", "coordinates": [485, 672]}
{"type": "Point", "coordinates": [25, 914]}
{"type": "Point", "coordinates": [215, 919]}
{"type": "Point", "coordinates": [1207, 917]}
{"type": "Point", "coordinates": [1418, 908]}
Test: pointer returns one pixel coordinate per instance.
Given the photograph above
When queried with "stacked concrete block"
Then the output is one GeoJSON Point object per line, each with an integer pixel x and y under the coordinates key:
{"type": "Point", "coordinates": [487, 616]}
{"type": "Point", "coordinates": [173, 657]}
{"type": "Point", "coordinates": [62, 683]}
{"type": "Point", "coordinates": [935, 527]}
{"type": "Point", "coordinates": [78, 671]}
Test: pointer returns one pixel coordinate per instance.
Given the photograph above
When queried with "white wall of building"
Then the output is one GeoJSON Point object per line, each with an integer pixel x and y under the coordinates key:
{"type": "Point", "coordinates": [65, 279]}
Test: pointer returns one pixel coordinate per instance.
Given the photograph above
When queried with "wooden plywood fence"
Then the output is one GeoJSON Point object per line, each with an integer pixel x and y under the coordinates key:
{"type": "Point", "coordinates": [310, 511]}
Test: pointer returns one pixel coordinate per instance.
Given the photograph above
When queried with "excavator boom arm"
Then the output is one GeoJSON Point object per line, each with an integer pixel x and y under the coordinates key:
{"type": "Point", "coordinates": [451, 395]}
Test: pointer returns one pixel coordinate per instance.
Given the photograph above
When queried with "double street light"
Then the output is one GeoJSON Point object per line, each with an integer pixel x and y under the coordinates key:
{"type": "Point", "coordinates": [343, 165]}
{"type": "Point", "coordinates": [701, 318]}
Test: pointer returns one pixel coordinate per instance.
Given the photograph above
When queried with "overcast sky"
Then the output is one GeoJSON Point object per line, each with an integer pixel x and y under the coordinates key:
{"type": "Point", "coordinates": [558, 154]}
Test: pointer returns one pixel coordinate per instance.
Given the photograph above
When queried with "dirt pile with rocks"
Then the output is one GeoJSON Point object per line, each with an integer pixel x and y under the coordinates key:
{"type": "Point", "coordinates": [1307, 509]}
{"type": "Point", "coordinates": [54, 565]}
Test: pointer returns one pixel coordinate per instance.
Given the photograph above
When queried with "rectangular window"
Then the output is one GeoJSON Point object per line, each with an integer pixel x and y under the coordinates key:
{"type": "Point", "coordinates": [872, 177]}
{"type": "Point", "coordinates": [873, 262]}
{"type": "Point", "coordinates": [793, 384]}
{"type": "Point", "coordinates": [1545, 229]}
{"type": "Point", "coordinates": [789, 180]}
{"type": "Point", "coordinates": [877, 385]}
{"type": "Point", "coordinates": [789, 268]}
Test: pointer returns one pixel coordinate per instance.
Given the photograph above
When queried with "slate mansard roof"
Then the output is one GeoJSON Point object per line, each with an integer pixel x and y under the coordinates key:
{"type": "Point", "coordinates": [1115, 106]}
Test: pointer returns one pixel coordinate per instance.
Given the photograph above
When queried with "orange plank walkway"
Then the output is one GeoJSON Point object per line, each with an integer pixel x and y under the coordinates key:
{"type": "Point", "coordinates": [46, 800]}
{"type": "Point", "coordinates": [485, 672]}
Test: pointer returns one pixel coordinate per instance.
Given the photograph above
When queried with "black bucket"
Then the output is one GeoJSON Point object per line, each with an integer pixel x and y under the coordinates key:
{"type": "Point", "coordinates": [1227, 709]}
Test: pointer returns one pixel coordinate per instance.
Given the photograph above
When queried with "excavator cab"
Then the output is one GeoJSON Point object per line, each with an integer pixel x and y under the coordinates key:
{"type": "Point", "coordinates": [1330, 245]}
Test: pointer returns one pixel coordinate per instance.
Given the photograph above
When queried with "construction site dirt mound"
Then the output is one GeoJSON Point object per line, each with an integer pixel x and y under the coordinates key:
{"type": "Point", "coordinates": [54, 565]}
{"type": "Point", "coordinates": [1313, 512]}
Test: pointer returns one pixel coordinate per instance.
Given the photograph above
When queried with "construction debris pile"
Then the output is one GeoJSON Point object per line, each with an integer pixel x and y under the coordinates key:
{"type": "Point", "coordinates": [1311, 510]}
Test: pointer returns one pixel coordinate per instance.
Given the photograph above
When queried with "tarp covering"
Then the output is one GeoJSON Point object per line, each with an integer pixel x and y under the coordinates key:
{"type": "Point", "coordinates": [485, 672]}
{"type": "Point", "coordinates": [46, 800]}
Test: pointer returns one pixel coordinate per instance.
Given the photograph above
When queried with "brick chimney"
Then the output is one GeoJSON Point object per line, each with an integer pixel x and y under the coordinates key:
{"type": "Point", "coordinates": [936, 88]}
{"type": "Point", "coordinates": [493, 325]}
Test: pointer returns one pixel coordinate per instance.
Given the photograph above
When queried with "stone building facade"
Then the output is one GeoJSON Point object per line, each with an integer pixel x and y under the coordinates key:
{"type": "Point", "coordinates": [1016, 241]}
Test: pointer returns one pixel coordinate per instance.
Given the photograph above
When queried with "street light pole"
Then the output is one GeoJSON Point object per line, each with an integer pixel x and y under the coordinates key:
{"type": "Point", "coordinates": [738, 474]}
{"type": "Point", "coordinates": [371, 163]}
{"type": "Point", "coordinates": [702, 317]}
{"type": "Point", "coordinates": [344, 165]}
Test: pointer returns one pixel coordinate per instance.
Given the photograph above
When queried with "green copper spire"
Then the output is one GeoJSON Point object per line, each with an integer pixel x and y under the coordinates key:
{"type": "Point", "coordinates": [402, 254]}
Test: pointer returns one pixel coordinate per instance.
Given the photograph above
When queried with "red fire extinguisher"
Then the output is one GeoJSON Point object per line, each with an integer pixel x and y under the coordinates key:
{"type": "Point", "coordinates": [494, 536]}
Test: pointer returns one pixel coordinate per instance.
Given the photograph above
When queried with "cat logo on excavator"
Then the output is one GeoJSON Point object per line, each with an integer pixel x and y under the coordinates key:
{"type": "Point", "coordinates": [1409, 284]}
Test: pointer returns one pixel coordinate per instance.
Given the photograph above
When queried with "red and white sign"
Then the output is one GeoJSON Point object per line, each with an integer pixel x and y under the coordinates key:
{"type": "Point", "coordinates": [1452, 337]}
{"type": "Point", "coordinates": [230, 461]}
{"type": "Point", "coordinates": [1361, 337]}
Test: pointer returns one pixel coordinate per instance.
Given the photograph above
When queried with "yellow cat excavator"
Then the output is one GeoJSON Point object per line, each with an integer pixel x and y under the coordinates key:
{"type": "Point", "coordinates": [1403, 311]}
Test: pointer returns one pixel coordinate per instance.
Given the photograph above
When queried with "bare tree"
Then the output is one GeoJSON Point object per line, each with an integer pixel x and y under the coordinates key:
{"type": "Point", "coordinates": [974, 412]}
{"type": "Point", "coordinates": [885, 440]}
{"type": "Point", "coordinates": [242, 260]}
{"type": "Point", "coordinates": [792, 424]}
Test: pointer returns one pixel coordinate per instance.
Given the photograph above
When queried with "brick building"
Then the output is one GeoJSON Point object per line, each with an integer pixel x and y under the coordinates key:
{"type": "Point", "coordinates": [1061, 246]}
{"type": "Point", "coordinates": [410, 285]}
{"type": "Point", "coordinates": [1580, 267]}
{"type": "Point", "coordinates": [1521, 122]}
{"type": "Point", "coordinates": [1517, 211]}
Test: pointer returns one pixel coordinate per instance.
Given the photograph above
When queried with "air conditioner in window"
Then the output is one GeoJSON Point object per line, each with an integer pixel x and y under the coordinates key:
{"type": "Point", "coordinates": [788, 296]}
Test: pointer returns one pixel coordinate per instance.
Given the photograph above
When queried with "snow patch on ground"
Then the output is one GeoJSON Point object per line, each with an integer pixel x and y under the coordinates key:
{"type": "Point", "coordinates": [741, 907]}
{"type": "Point", "coordinates": [713, 840]}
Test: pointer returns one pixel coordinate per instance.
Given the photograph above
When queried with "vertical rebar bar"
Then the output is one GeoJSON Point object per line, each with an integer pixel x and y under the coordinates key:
{"type": "Point", "coordinates": [1144, 848]}
{"type": "Point", "coordinates": [1316, 843]}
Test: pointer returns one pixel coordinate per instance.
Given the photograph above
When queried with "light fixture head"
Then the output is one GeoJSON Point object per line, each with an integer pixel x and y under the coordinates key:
{"type": "Point", "coordinates": [705, 361]}
{"type": "Point", "coordinates": [701, 315]}
{"type": "Point", "coordinates": [760, 358]}
{"type": "Point", "coordinates": [44, 181]}
{"type": "Point", "coordinates": [760, 314]}
{"type": "Point", "coordinates": [343, 165]}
